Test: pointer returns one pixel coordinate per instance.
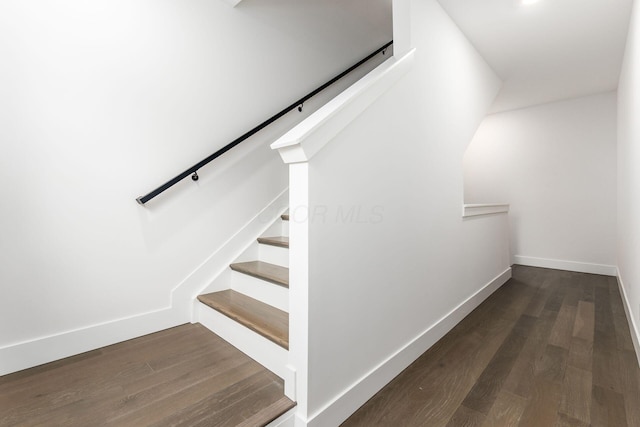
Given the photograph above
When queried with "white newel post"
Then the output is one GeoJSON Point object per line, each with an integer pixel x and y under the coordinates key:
{"type": "Point", "coordinates": [299, 282]}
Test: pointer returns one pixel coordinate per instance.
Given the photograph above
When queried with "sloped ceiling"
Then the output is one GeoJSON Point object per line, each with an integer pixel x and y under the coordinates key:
{"type": "Point", "coordinates": [549, 50]}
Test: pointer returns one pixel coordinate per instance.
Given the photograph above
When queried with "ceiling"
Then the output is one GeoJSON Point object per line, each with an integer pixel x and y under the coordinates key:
{"type": "Point", "coordinates": [547, 51]}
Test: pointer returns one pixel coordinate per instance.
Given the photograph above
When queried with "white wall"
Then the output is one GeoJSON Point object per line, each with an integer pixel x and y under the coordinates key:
{"type": "Point", "coordinates": [102, 101]}
{"type": "Point", "coordinates": [628, 242]}
{"type": "Point", "coordinates": [391, 261]}
{"type": "Point", "coordinates": [555, 164]}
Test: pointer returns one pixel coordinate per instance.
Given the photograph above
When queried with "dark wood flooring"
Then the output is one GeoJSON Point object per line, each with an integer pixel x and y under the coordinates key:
{"type": "Point", "coordinates": [184, 376]}
{"type": "Point", "coordinates": [550, 348]}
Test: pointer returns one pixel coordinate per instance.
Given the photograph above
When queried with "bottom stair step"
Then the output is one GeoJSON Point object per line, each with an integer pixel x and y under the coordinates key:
{"type": "Point", "coordinates": [262, 318]}
{"type": "Point", "coordinates": [269, 413]}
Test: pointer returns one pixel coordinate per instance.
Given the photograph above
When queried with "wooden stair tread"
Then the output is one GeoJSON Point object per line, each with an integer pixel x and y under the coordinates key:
{"type": "Point", "coordinates": [262, 318]}
{"type": "Point", "coordinates": [268, 414]}
{"type": "Point", "coordinates": [280, 241]}
{"type": "Point", "coordinates": [265, 271]}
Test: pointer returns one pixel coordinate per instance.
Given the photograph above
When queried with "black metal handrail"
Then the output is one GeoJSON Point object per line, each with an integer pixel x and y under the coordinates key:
{"type": "Point", "coordinates": [193, 170]}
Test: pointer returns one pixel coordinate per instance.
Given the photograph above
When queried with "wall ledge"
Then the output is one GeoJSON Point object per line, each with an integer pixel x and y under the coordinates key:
{"type": "Point", "coordinates": [471, 210]}
{"type": "Point", "coordinates": [305, 140]}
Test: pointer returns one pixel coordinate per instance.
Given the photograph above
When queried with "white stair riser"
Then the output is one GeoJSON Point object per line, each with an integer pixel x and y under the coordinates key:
{"type": "Point", "coordinates": [279, 228]}
{"type": "Point", "coordinates": [220, 283]}
{"type": "Point", "coordinates": [276, 229]}
{"type": "Point", "coordinates": [251, 253]}
{"type": "Point", "coordinates": [274, 255]}
{"type": "Point", "coordinates": [288, 419]}
{"type": "Point", "coordinates": [268, 354]}
{"type": "Point", "coordinates": [269, 293]}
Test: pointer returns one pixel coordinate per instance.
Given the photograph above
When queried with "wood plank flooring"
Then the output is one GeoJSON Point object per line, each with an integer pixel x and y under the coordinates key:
{"type": "Point", "coordinates": [184, 376]}
{"type": "Point", "coordinates": [550, 348]}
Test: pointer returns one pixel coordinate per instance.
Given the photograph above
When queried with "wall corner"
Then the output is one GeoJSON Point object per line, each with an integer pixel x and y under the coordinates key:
{"type": "Point", "coordinates": [401, 27]}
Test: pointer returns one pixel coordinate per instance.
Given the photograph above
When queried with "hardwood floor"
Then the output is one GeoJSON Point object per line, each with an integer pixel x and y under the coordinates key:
{"type": "Point", "coordinates": [550, 348]}
{"type": "Point", "coordinates": [184, 376]}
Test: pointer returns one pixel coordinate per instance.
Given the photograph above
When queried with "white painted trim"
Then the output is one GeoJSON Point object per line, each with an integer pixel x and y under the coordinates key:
{"type": "Point", "coordinates": [556, 264]}
{"type": "Point", "coordinates": [470, 210]}
{"type": "Point", "coordinates": [299, 285]}
{"type": "Point", "coordinates": [287, 419]}
{"type": "Point", "coordinates": [28, 354]}
{"type": "Point", "coordinates": [633, 326]}
{"type": "Point", "coordinates": [199, 279]}
{"type": "Point", "coordinates": [306, 139]}
{"type": "Point", "coordinates": [355, 396]}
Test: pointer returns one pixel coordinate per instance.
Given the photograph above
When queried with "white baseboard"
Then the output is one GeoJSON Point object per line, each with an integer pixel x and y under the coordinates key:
{"type": "Point", "coordinates": [351, 399]}
{"type": "Point", "coordinates": [28, 354]}
{"type": "Point", "coordinates": [469, 210]}
{"type": "Point", "coordinates": [633, 326]}
{"type": "Point", "coordinates": [556, 264]}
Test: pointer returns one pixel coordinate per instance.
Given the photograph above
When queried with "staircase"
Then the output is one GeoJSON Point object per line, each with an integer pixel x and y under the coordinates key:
{"type": "Point", "coordinates": [248, 303]}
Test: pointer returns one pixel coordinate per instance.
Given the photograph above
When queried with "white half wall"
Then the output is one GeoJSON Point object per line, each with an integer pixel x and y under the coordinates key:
{"type": "Point", "coordinates": [102, 101]}
{"type": "Point", "coordinates": [555, 164]}
{"type": "Point", "coordinates": [628, 235]}
{"type": "Point", "coordinates": [392, 265]}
